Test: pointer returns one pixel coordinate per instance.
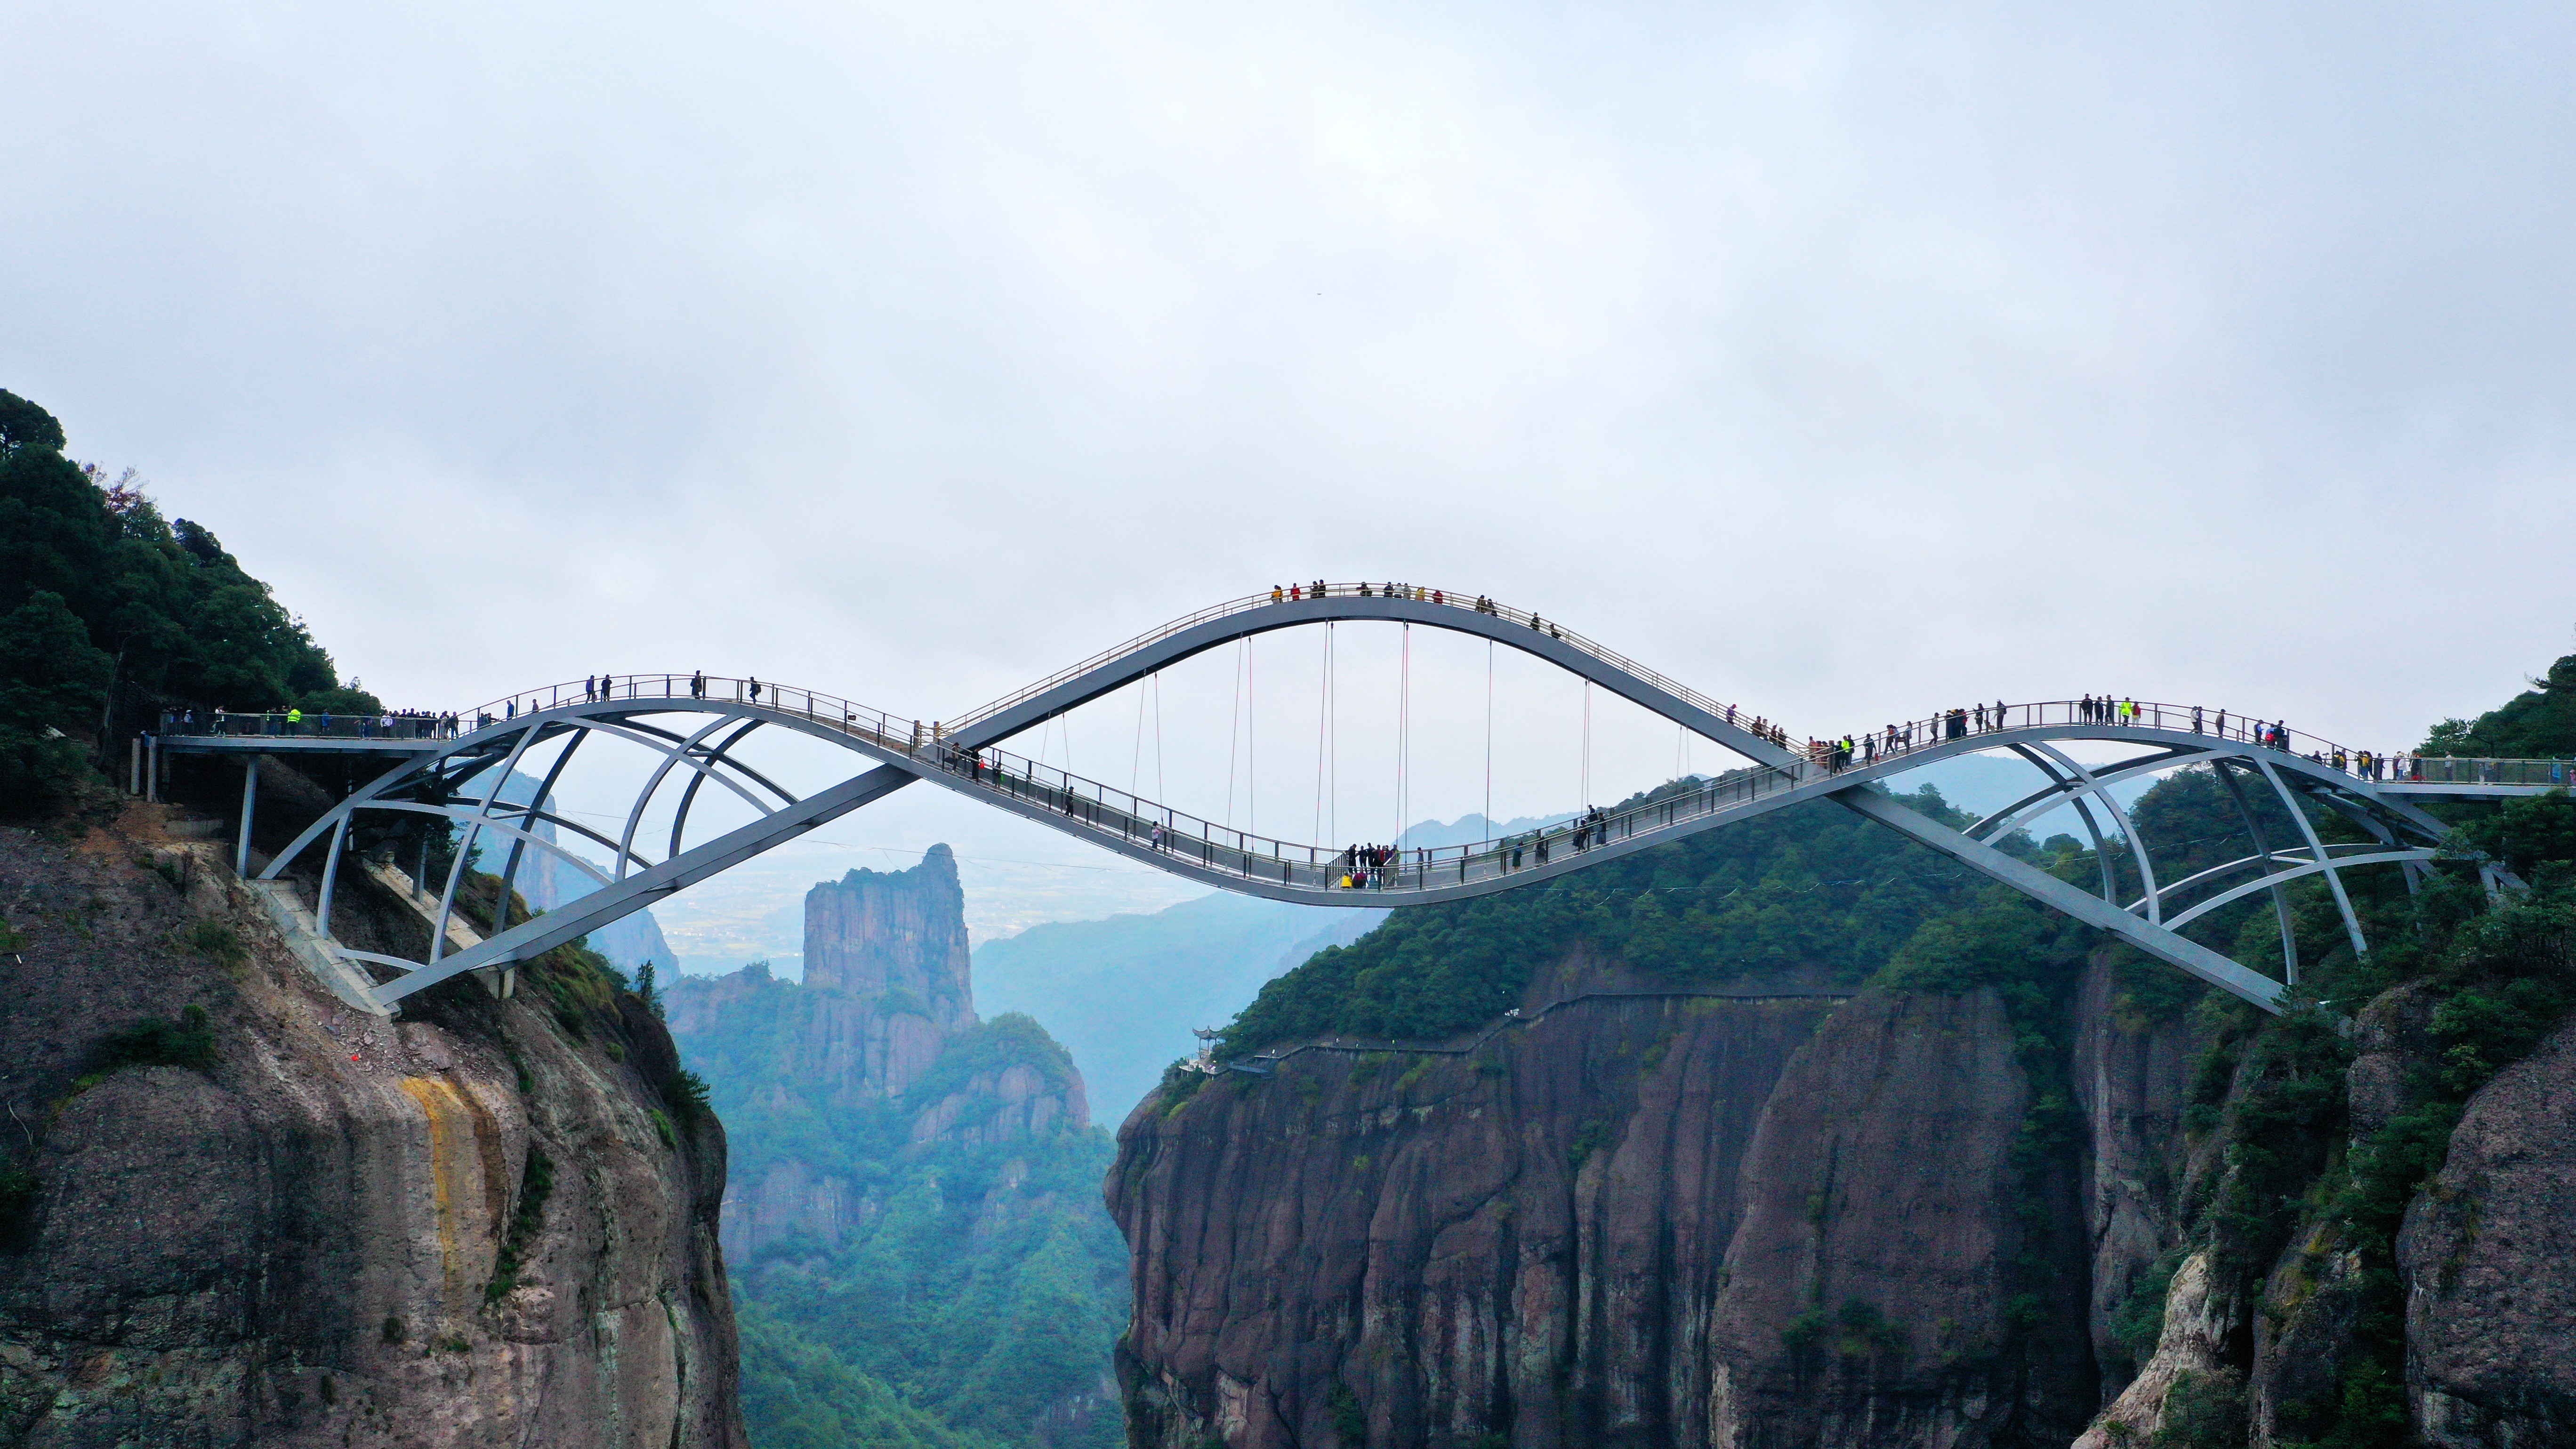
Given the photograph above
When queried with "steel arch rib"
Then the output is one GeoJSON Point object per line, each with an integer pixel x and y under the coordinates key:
{"type": "Point", "coordinates": [519, 834]}
{"type": "Point", "coordinates": [2128, 830]}
{"type": "Point", "coordinates": [2295, 870]}
{"type": "Point", "coordinates": [2019, 814]}
{"type": "Point", "coordinates": [671, 746]}
{"type": "Point", "coordinates": [536, 801]}
{"type": "Point", "coordinates": [2071, 794]}
{"type": "Point", "coordinates": [2317, 848]}
{"type": "Point", "coordinates": [590, 912]}
{"type": "Point", "coordinates": [644, 796]}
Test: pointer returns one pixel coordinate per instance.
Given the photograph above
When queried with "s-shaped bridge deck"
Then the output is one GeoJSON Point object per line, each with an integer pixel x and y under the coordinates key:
{"type": "Point", "coordinates": [460, 779]}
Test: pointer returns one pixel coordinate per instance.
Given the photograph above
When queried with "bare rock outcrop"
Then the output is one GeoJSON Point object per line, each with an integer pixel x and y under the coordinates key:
{"type": "Point", "coordinates": [872, 934]}
{"type": "Point", "coordinates": [2200, 1317]}
{"type": "Point", "coordinates": [866, 1040]}
{"type": "Point", "coordinates": [484, 1224]}
{"type": "Point", "coordinates": [2488, 1255]}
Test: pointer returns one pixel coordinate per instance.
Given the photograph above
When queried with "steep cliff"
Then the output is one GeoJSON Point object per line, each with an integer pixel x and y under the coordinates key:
{"type": "Point", "coordinates": [2017, 1188]}
{"type": "Point", "coordinates": [877, 1049]}
{"type": "Point", "coordinates": [237, 1212]}
{"type": "Point", "coordinates": [1639, 1220]}
{"type": "Point", "coordinates": [914, 1198]}
{"type": "Point", "coordinates": [2488, 1254]}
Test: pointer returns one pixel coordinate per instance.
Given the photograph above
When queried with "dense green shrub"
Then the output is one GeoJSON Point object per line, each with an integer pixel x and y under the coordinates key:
{"type": "Point", "coordinates": [216, 942]}
{"type": "Point", "coordinates": [797, 1393]}
{"type": "Point", "coordinates": [19, 1191]}
{"type": "Point", "coordinates": [152, 1042]}
{"type": "Point", "coordinates": [536, 1184]}
{"type": "Point", "coordinates": [1811, 886]}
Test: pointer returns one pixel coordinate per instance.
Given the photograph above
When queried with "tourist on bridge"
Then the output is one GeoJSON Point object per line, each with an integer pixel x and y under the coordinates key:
{"type": "Point", "coordinates": [2196, 720]}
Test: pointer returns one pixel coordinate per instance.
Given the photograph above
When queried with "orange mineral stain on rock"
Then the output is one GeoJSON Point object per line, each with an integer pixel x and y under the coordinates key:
{"type": "Point", "coordinates": [451, 1133]}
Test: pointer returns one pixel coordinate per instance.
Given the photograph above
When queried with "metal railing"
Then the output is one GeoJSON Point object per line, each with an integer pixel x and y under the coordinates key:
{"type": "Point", "coordinates": [1108, 811]}
{"type": "Point", "coordinates": [226, 724]}
{"type": "Point", "coordinates": [1470, 603]}
{"type": "Point", "coordinates": [1093, 807]}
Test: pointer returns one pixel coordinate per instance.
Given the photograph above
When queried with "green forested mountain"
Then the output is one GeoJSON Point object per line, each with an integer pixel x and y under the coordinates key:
{"type": "Point", "coordinates": [108, 612]}
{"type": "Point", "coordinates": [1123, 993]}
{"type": "Point", "coordinates": [1812, 886]}
{"type": "Point", "coordinates": [968, 1286]}
{"type": "Point", "coordinates": [2458, 986]}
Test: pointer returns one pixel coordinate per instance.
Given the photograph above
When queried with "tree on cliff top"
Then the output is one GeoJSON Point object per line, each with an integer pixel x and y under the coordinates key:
{"type": "Point", "coordinates": [2539, 723]}
{"type": "Point", "coordinates": [107, 612]}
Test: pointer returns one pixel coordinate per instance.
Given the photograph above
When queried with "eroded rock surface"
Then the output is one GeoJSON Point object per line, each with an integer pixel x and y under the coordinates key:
{"type": "Point", "coordinates": [1636, 1222]}
{"type": "Point", "coordinates": [887, 993]}
{"type": "Point", "coordinates": [2489, 1259]}
{"type": "Point", "coordinates": [297, 1244]}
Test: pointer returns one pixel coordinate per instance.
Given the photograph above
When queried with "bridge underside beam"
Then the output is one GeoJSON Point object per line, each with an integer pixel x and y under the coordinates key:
{"type": "Point", "coordinates": [2048, 890]}
{"type": "Point", "coordinates": [582, 916]}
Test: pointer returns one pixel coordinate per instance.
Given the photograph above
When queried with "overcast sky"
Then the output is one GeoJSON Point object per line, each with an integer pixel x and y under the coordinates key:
{"type": "Point", "coordinates": [1842, 360]}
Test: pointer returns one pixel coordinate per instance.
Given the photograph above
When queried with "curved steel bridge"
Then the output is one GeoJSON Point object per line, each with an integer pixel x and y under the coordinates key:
{"type": "Point", "coordinates": [694, 727]}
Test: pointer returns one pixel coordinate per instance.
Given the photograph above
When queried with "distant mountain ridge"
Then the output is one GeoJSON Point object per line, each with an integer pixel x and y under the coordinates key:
{"type": "Point", "coordinates": [546, 880]}
{"type": "Point", "coordinates": [1124, 993]}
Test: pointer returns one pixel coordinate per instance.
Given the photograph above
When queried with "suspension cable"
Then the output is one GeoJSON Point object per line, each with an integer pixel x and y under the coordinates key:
{"type": "Point", "coordinates": [1403, 732]}
{"type": "Point", "coordinates": [1586, 801]}
{"type": "Point", "coordinates": [1136, 758]}
{"type": "Point", "coordinates": [1323, 712]}
{"type": "Point", "coordinates": [1234, 732]}
{"type": "Point", "coordinates": [1251, 720]}
{"type": "Point", "coordinates": [1489, 738]}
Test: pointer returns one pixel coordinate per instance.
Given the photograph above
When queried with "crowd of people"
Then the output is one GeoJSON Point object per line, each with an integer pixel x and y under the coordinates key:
{"type": "Point", "coordinates": [399, 724]}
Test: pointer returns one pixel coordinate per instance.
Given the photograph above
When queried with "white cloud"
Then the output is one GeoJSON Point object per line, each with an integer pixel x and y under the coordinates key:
{"type": "Point", "coordinates": [1846, 360]}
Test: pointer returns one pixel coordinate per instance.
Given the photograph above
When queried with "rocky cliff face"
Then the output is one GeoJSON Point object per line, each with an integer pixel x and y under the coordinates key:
{"type": "Point", "coordinates": [1649, 1221]}
{"type": "Point", "coordinates": [2489, 1260]}
{"type": "Point", "coordinates": [486, 1223]}
{"type": "Point", "coordinates": [1892, 1221]}
{"type": "Point", "coordinates": [873, 935]}
{"type": "Point", "coordinates": [882, 1031]}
